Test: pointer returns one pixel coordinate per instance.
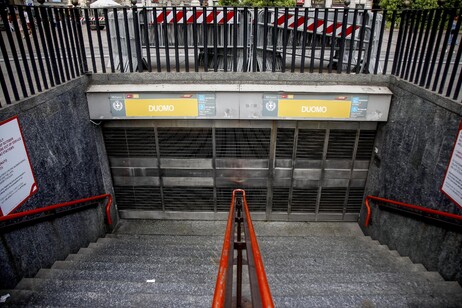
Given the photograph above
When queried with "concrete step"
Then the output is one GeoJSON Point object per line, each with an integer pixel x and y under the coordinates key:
{"type": "Point", "coordinates": [345, 277]}
{"type": "Point", "coordinates": [373, 301]}
{"type": "Point", "coordinates": [109, 288]}
{"type": "Point", "coordinates": [175, 260]}
{"type": "Point", "coordinates": [162, 240]}
{"type": "Point", "coordinates": [160, 252]}
{"type": "Point", "coordinates": [136, 266]}
{"type": "Point", "coordinates": [434, 288]}
{"type": "Point", "coordinates": [24, 298]}
{"type": "Point", "coordinates": [140, 276]}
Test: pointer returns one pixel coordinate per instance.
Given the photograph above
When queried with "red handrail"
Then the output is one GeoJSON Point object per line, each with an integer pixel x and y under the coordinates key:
{"type": "Point", "coordinates": [220, 287]}
{"type": "Point", "coordinates": [61, 205]}
{"type": "Point", "coordinates": [406, 205]}
{"type": "Point", "coordinates": [265, 292]}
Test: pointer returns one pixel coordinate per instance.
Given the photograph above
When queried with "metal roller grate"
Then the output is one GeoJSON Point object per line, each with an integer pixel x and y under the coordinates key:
{"type": "Point", "coordinates": [185, 142]}
{"type": "Point", "coordinates": [188, 199]}
{"type": "Point", "coordinates": [256, 198]}
{"type": "Point", "coordinates": [355, 199]}
{"type": "Point", "coordinates": [285, 142]}
{"type": "Point", "coordinates": [332, 199]}
{"type": "Point", "coordinates": [280, 199]}
{"type": "Point", "coordinates": [243, 142]}
{"type": "Point", "coordinates": [341, 144]}
{"type": "Point", "coordinates": [130, 142]}
{"type": "Point", "coordinates": [304, 200]}
{"type": "Point", "coordinates": [365, 144]}
{"type": "Point", "coordinates": [138, 197]}
{"type": "Point", "coordinates": [310, 144]}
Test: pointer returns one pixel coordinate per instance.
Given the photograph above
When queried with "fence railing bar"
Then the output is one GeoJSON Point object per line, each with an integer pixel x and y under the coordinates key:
{"type": "Point", "coordinates": [136, 30]}
{"type": "Point", "coordinates": [235, 41]}
{"type": "Point", "coordinates": [419, 49]}
{"type": "Point", "coordinates": [371, 42]}
{"type": "Point", "coordinates": [37, 51]}
{"type": "Point", "coordinates": [379, 47]}
{"type": "Point", "coordinates": [156, 39]}
{"type": "Point", "coordinates": [17, 64]}
{"type": "Point", "coordinates": [285, 40]}
{"type": "Point", "coordinates": [118, 43]}
{"type": "Point", "coordinates": [244, 41]}
{"type": "Point", "coordinates": [59, 17]}
{"type": "Point", "coordinates": [425, 43]}
{"type": "Point", "coordinates": [294, 41]}
{"type": "Point", "coordinates": [438, 24]}
{"type": "Point", "coordinates": [225, 39]}
{"type": "Point", "coordinates": [254, 34]}
{"type": "Point", "coordinates": [314, 40]}
{"type": "Point", "coordinates": [206, 51]}
{"type": "Point", "coordinates": [459, 82]}
{"type": "Point", "coordinates": [304, 38]}
{"type": "Point", "coordinates": [9, 69]}
{"type": "Point", "coordinates": [40, 23]}
{"type": "Point", "coordinates": [324, 38]}
{"type": "Point", "coordinates": [362, 35]}
{"type": "Point", "coordinates": [390, 39]}
{"type": "Point", "coordinates": [90, 40]}
{"type": "Point", "coordinates": [274, 40]}
{"type": "Point", "coordinates": [68, 37]}
{"type": "Point", "coordinates": [29, 48]}
{"type": "Point", "coordinates": [215, 39]}
{"type": "Point", "coordinates": [265, 37]}
{"type": "Point", "coordinates": [108, 39]}
{"type": "Point", "coordinates": [454, 72]}
{"type": "Point", "coordinates": [82, 52]}
{"type": "Point", "coordinates": [352, 41]}
{"type": "Point", "coordinates": [454, 37]}
{"type": "Point", "coordinates": [128, 41]}
{"type": "Point", "coordinates": [53, 24]}
{"type": "Point", "coordinates": [407, 44]}
{"type": "Point", "coordinates": [175, 40]}
{"type": "Point", "coordinates": [394, 69]}
{"type": "Point", "coordinates": [415, 30]}
{"type": "Point", "coordinates": [186, 43]}
{"type": "Point", "coordinates": [100, 42]}
{"type": "Point", "coordinates": [196, 51]}
{"type": "Point", "coordinates": [333, 42]}
{"type": "Point", "coordinates": [342, 41]}
{"type": "Point", "coordinates": [443, 51]}
{"type": "Point", "coordinates": [6, 93]}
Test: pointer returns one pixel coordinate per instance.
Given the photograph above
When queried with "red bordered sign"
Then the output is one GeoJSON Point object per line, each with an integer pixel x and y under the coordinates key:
{"type": "Point", "coordinates": [452, 183]}
{"type": "Point", "coordinates": [17, 181]}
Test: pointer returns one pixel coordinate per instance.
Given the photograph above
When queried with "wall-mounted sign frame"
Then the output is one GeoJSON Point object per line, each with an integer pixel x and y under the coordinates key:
{"type": "Point", "coordinates": [17, 180]}
{"type": "Point", "coordinates": [239, 102]}
{"type": "Point", "coordinates": [452, 183]}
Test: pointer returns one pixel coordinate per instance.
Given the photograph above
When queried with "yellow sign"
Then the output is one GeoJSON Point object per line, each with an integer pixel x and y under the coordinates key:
{"type": "Point", "coordinates": [294, 108]}
{"type": "Point", "coordinates": [166, 107]}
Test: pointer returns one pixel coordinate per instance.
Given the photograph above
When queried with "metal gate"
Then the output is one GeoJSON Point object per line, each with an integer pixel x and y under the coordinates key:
{"type": "Point", "coordinates": [291, 170]}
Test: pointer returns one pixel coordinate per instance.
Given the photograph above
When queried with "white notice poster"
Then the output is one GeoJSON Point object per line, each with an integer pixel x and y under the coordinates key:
{"type": "Point", "coordinates": [452, 184]}
{"type": "Point", "coordinates": [17, 182]}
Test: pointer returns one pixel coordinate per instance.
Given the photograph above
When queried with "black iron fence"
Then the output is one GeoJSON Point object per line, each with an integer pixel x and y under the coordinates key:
{"type": "Point", "coordinates": [43, 46]}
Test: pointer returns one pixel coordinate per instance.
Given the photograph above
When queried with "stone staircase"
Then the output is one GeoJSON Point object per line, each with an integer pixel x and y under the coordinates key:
{"type": "Point", "coordinates": [174, 264]}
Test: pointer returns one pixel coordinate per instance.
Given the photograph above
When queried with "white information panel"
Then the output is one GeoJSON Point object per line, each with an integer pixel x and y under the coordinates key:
{"type": "Point", "coordinates": [17, 182]}
{"type": "Point", "coordinates": [452, 184]}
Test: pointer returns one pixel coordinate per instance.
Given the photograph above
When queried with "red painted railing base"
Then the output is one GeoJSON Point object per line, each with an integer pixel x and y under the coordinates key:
{"type": "Point", "coordinates": [406, 205]}
{"type": "Point", "coordinates": [63, 205]}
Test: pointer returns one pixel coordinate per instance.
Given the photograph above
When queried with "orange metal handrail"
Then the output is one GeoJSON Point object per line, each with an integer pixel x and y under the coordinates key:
{"type": "Point", "coordinates": [64, 204]}
{"type": "Point", "coordinates": [406, 205]}
{"type": "Point", "coordinates": [265, 292]}
{"type": "Point", "coordinates": [220, 287]}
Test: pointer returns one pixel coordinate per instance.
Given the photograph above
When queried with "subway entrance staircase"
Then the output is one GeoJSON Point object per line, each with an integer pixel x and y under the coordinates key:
{"type": "Point", "coordinates": [174, 264]}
